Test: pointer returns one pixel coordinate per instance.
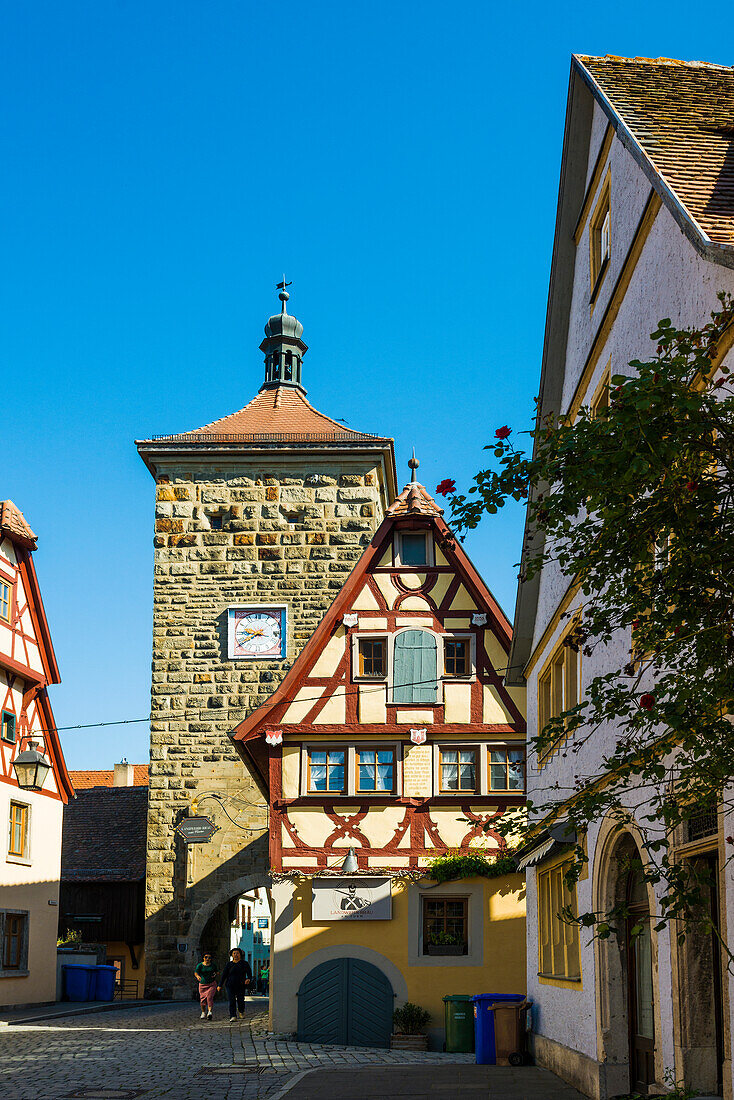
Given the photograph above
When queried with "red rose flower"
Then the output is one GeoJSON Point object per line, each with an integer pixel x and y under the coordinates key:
{"type": "Point", "coordinates": [656, 378]}
{"type": "Point", "coordinates": [692, 486]}
{"type": "Point", "coordinates": [647, 701]}
{"type": "Point", "coordinates": [502, 433]}
{"type": "Point", "coordinates": [448, 485]}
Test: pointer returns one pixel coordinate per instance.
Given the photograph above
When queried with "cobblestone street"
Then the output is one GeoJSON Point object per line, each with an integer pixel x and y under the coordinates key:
{"type": "Point", "coordinates": [168, 1052]}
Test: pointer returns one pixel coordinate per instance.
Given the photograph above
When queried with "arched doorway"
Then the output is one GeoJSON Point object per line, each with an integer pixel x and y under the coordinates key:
{"type": "Point", "coordinates": [346, 1001]}
{"type": "Point", "coordinates": [640, 989]}
{"type": "Point", "coordinates": [627, 994]}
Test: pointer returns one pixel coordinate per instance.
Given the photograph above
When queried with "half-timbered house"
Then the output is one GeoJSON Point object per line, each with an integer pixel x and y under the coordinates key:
{"type": "Point", "coordinates": [31, 817]}
{"type": "Point", "coordinates": [391, 741]}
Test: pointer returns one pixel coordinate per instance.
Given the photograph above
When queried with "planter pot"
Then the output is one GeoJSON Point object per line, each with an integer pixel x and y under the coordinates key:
{"type": "Point", "coordinates": [408, 1042]}
{"type": "Point", "coordinates": [445, 949]}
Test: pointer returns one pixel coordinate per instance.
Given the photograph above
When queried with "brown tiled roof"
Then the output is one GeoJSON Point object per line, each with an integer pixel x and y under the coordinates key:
{"type": "Point", "coordinates": [414, 500]}
{"type": "Point", "coordinates": [84, 780]}
{"type": "Point", "coordinates": [681, 115]}
{"type": "Point", "coordinates": [281, 412]}
{"type": "Point", "coordinates": [13, 524]}
{"type": "Point", "coordinates": [104, 835]}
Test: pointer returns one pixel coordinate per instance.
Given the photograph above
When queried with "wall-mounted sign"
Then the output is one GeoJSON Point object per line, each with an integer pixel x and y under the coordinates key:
{"type": "Point", "coordinates": [262, 922]}
{"type": "Point", "coordinates": [196, 830]}
{"type": "Point", "coordinates": [257, 631]}
{"type": "Point", "coordinates": [351, 899]}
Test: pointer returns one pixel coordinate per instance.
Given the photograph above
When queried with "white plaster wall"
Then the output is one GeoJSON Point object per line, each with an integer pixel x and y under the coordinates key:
{"type": "Point", "coordinates": [670, 280]}
{"type": "Point", "coordinates": [33, 886]}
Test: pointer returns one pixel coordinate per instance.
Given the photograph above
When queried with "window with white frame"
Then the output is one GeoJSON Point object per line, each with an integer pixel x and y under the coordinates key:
{"type": "Point", "coordinates": [506, 768]}
{"type": "Point", "coordinates": [371, 769]}
{"type": "Point", "coordinates": [326, 771]}
{"type": "Point", "coordinates": [7, 727]}
{"type": "Point", "coordinates": [457, 770]}
{"type": "Point", "coordinates": [5, 601]}
{"type": "Point", "coordinates": [376, 770]}
{"type": "Point", "coordinates": [371, 663]}
{"type": "Point", "coordinates": [458, 656]}
{"type": "Point", "coordinates": [413, 548]}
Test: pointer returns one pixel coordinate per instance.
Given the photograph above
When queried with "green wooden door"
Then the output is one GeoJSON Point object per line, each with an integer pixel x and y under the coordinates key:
{"type": "Point", "coordinates": [414, 667]}
{"type": "Point", "coordinates": [345, 1001]}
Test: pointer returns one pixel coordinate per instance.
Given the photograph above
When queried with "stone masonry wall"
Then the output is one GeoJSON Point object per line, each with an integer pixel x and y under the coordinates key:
{"type": "Point", "coordinates": [287, 536]}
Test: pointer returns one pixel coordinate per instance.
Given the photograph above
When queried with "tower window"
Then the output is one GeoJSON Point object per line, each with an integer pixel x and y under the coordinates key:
{"type": "Point", "coordinates": [276, 364]}
{"type": "Point", "coordinates": [289, 365]}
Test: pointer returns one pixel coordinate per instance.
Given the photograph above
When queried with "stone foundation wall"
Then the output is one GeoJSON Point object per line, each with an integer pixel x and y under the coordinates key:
{"type": "Point", "coordinates": [291, 532]}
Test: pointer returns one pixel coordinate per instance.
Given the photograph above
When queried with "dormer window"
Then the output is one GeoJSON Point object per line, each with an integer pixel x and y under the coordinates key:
{"type": "Point", "coordinates": [413, 548]}
{"type": "Point", "coordinates": [373, 658]}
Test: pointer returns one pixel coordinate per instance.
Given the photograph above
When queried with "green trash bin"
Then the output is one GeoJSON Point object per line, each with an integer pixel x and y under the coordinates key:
{"type": "Point", "coordinates": [459, 1023]}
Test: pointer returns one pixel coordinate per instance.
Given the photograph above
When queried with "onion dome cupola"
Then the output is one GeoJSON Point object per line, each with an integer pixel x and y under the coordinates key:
{"type": "Point", "coordinates": [284, 349]}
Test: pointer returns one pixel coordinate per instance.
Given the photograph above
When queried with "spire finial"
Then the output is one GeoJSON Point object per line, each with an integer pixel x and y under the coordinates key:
{"type": "Point", "coordinates": [413, 463]}
{"type": "Point", "coordinates": [284, 295]}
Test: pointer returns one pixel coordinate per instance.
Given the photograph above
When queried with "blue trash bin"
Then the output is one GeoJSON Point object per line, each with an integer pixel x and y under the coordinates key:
{"type": "Point", "coordinates": [484, 1045]}
{"type": "Point", "coordinates": [79, 983]}
{"type": "Point", "coordinates": [104, 987]}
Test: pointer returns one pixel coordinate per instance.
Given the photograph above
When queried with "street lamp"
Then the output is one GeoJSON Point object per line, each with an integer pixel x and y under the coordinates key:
{"type": "Point", "coordinates": [31, 768]}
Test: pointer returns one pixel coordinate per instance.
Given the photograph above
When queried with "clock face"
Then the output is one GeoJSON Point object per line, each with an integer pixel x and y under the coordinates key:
{"type": "Point", "coordinates": [257, 632]}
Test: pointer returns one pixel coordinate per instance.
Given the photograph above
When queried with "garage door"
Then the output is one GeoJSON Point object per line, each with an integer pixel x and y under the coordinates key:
{"type": "Point", "coordinates": [345, 1001]}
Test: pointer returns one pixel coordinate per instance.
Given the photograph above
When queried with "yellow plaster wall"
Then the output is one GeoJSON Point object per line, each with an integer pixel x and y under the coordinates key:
{"type": "Point", "coordinates": [387, 588]}
{"type": "Point", "coordinates": [291, 771]}
{"type": "Point", "coordinates": [414, 717]}
{"type": "Point", "coordinates": [441, 586]}
{"type": "Point", "coordinates": [494, 709]}
{"type": "Point", "coordinates": [334, 710]}
{"type": "Point", "coordinates": [372, 699]}
{"type": "Point", "coordinates": [117, 950]}
{"type": "Point", "coordinates": [301, 705]}
{"type": "Point", "coordinates": [365, 600]}
{"type": "Point", "coordinates": [503, 970]}
{"type": "Point", "coordinates": [457, 699]}
{"type": "Point", "coordinates": [462, 601]}
{"type": "Point", "coordinates": [332, 653]}
{"type": "Point", "coordinates": [415, 603]}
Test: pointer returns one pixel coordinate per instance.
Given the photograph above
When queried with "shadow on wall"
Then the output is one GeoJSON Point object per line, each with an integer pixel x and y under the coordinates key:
{"type": "Point", "coordinates": [198, 917]}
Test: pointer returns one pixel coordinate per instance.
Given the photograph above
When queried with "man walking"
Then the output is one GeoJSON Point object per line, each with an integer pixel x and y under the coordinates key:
{"type": "Point", "coordinates": [237, 977]}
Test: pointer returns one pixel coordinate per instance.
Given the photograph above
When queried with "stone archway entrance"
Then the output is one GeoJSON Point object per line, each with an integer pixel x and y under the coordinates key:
{"type": "Point", "coordinates": [627, 988]}
{"type": "Point", "coordinates": [211, 925]}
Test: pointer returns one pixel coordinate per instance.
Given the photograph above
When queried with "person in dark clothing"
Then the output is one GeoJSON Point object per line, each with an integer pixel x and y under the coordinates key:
{"type": "Point", "coordinates": [237, 977]}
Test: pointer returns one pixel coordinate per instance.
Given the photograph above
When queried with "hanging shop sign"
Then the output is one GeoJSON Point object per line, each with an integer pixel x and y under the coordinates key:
{"type": "Point", "coordinates": [196, 830]}
{"type": "Point", "coordinates": [351, 899]}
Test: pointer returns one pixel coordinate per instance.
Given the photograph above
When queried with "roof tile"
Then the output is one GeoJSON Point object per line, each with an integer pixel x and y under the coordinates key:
{"type": "Point", "coordinates": [681, 113]}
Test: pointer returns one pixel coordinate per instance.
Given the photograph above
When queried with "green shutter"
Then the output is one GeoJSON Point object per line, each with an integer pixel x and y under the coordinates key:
{"type": "Point", "coordinates": [414, 667]}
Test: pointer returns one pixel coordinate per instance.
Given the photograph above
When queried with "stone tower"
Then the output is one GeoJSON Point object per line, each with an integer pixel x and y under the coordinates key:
{"type": "Point", "coordinates": [259, 519]}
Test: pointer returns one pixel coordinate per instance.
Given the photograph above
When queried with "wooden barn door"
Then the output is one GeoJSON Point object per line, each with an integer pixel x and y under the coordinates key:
{"type": "Point", "coordinates": [345, 1001]}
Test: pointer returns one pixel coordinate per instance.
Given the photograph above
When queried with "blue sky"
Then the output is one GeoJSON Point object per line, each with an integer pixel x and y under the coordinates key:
{"type": "Point", "coordinates": [163, 164]}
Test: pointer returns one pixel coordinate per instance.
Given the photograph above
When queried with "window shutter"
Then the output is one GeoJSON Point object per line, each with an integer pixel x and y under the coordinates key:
{"type": "Point", "coordinates": [414, 667]}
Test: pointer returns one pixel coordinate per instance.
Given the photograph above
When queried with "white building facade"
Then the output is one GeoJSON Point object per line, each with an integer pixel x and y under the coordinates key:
{"type": "Point", "coordinates": [645, 230]}
{"type": "Point", "coordinates": [31, 818]}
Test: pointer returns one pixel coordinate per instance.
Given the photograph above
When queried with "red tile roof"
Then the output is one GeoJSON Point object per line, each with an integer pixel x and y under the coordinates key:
{"type": "Point", "coordinates": [84, 780]}
{"type": "Point", "coordinates": [681, 116]}
{"type": "Point", "coordinates": [14, 525]}
{"type": "Point", "coordinates": [282, 411]}
{"type": "Point", "coordinates": [414, 500]}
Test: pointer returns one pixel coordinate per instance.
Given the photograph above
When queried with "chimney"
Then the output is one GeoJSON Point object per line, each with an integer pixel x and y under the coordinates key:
{"type": "Point", "coordinates": [123, 774]}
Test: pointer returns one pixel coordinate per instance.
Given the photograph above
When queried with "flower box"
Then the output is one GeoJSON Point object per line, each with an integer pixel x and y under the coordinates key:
{"type": "Point", "coordinates": [445, 949]}
{"type": "Point", "coordinates": [400, 1041]}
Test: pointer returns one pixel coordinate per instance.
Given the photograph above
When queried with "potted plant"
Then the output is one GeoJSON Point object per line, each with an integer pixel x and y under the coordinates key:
{"type": "Point", "coordinates": [409, 1021]}
{"type": "Point", "coordinates": [445, 943]}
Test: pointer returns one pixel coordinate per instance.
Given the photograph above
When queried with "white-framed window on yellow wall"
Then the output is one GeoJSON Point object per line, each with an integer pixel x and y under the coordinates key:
{"type": "Point", "coordinates": [559, 682]}
{"type": "Point", "coordinates": [600, 399]}
{"type": "Point", "coordinates": [558, 937]}
{"type": "Point", "coordinates": [5, 592]}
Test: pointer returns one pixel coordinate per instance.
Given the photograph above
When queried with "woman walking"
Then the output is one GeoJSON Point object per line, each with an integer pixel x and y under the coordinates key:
{"type": "Point", "coordinates": [206, 975]}
{"type": "Point", "coordinates": [236, 976]}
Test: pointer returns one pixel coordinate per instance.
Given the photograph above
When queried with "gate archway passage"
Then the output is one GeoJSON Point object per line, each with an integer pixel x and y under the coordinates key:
{"type": "Point", "coordinates": [346, 1001]}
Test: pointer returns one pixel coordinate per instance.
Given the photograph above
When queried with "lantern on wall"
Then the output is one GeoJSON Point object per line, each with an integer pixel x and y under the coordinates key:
{"type": "Point", "coordinates": [31, 768]}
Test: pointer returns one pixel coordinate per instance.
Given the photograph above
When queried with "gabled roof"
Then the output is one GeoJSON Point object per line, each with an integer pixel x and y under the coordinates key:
{"type": "Point", "coordinates": [677, 119]}
{"type": "Point", "coordinates": [13, 524]}
{"type": "Point", "coordinates": [83, 780]}
{"type": "Point", "coordinates": [104, 835]}
{"type": "Point", "coordinates": [247, 736]}
{"type": "Point", "coordinates": [282, 412]}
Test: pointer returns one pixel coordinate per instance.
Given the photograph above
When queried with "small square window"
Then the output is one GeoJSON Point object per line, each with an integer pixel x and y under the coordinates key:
{"type": "Point", "coordinates": [5, 601]}
{"type": "Point", "coordinates": [373, 658]}
{"type": "Point", "coordinates": [456, 657]}
{"type": "Point", "coordinates": [413, 548]}
{"type": "Point", "coordinates": [506, 769]}
{"type": "Point", "coordinates": [458, 770]}
{"type": "Point", "coordinates": [445, 926]}
{"type": "Point", "coordinates": [7, 727]}
{"type": "Point", "coordinates": [376, 770]}
{"type": "Point", "coordinates": [216, 522]}
{"type": "Point", "coordinates": [326, 771]}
